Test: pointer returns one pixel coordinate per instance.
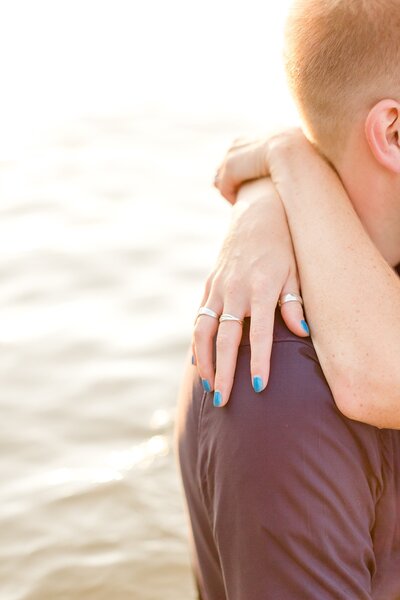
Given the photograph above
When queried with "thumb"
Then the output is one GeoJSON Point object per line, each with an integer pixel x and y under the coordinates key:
{"type": "Point", "coordinates": [292, 311]}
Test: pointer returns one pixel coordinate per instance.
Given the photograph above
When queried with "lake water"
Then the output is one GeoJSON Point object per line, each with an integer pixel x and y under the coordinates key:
{"type": "Point", "coordinates": [109, 225]}
{"type": "Point", "coordinates": [108, 229]}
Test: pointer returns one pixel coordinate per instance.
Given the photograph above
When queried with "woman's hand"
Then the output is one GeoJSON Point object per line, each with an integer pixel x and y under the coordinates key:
{"type": "Point", "coordinates": [247, 160]}
{"type": "Point", "coordinates": [255, 267]}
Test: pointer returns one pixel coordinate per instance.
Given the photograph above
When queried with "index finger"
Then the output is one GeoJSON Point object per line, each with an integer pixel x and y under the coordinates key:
{"type": "Point", "coordinates": [243, 163]}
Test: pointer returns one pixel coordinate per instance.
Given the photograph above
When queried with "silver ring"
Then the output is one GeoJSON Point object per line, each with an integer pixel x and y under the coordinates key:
{"type": "Point", "coordinates": [228, 317]}
{"type": "Point", "coordinates": [208, 312]}
{"type": "Point", "coordinates": [290, 298]}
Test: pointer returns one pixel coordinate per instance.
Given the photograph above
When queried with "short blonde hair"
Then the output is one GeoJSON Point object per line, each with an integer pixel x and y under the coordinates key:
{"type": "Point", "coordinates": [341, 56]}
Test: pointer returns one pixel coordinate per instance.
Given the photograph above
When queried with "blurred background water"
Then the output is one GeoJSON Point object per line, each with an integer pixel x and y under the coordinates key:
{"type": "Point", "coordinates": [114, 116]}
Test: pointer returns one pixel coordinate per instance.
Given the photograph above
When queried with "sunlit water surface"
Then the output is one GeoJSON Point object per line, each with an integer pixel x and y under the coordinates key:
{"type": "Point", "coordinates": [108, 228]}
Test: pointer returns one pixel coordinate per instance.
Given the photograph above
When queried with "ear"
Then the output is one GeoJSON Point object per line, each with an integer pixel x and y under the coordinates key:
{"type": "Point", "coordinates": [382, 129]}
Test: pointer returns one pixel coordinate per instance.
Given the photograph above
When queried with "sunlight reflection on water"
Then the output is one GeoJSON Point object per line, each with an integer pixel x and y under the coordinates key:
{"type": "Point", "coordinates": [115, 466]}
{"type": "Point", "coordinates": [109, 227]}
{"type": "Point", "coordinates": [97, 305]}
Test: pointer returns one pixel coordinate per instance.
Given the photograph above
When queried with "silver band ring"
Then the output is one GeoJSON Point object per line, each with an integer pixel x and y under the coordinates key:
{"type": "Point", "coordinates": [208, 312]}
{"type": "Point", "coordinates": [289, 298]}
{"type": "Point", "coordinates": [228, 317]}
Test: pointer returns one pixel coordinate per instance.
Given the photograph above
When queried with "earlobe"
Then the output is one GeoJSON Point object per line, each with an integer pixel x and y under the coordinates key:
{"type": "Point", "coordinates": [382, 130]}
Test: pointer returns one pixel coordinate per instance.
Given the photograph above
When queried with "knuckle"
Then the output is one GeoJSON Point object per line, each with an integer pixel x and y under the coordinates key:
{"type": "Point", "coordinates": [230, 163]}
{"type": "Point", "coordinates": [233, 285]}
{"type": "Point", "coordinates": [241, 141]}
{"type": "Point", "coordinates": [259, 369]}
{"type": "Point", "coordinates": [265, 275]}
{"type": "Point", "coordinates": [200, 333]}
{"type": "Point", "coordinates": [226, 192]}
{"type": "Point", "coordinates": [262, 305]}
{"type": "Point", "coordinates": [222, 380]}
{"type": "Point", "coordinates": [261, 332]}
{"type": "Point", "coordinates": [257, 366]}
{"type": "Point", "coordinates": [261, 286]}
{"type": "Point", "coordinates": [223, 340]}
{"type": "Point", "coordinates": [220, 385]}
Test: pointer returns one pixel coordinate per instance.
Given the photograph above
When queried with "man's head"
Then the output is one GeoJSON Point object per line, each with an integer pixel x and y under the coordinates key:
{"type": "Point", "coordinates": [343, 65]}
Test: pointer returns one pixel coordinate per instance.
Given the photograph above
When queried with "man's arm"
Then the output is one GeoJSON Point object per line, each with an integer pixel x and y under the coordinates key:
{"type": "Point", "coordinates": [352, 296]}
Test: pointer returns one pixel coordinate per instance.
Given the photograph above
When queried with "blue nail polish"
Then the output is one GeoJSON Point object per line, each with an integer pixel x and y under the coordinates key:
{"type": "Point", "coordinates": [305, 327]}
{"type": "Point", "coordinates": [193, 360]}
{"type": "Point", "coordinates": [217, 399]}
{"type": "Point", "coordinates": [206, 385]}
{"type": "Point", "coordinates": [258, 384]}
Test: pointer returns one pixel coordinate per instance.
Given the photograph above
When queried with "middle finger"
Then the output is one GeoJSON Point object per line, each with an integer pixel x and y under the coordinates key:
{"type": "Point", "coordinates": [228, 340]}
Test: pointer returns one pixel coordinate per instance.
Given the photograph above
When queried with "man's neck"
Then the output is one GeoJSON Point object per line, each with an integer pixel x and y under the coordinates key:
{"type": "Point", "coordinates": [375, 196]}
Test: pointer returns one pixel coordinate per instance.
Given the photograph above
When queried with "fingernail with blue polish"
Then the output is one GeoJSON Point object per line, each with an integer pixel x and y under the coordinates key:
{"type": "Point", "coordinates": [258, 384]}
{"type": "Point", "coordinates": [193, 360]}
{"type": "Point", "coordinates": [305, 327]}
{"type": "Point", "coordinates": [217, 399]}
{"type": "Point", "coordinates": [206, 385]}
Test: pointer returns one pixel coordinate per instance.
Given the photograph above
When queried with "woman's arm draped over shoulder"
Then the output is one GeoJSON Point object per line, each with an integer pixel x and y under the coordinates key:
{"type": "Point", "coordinates": [351, 294]}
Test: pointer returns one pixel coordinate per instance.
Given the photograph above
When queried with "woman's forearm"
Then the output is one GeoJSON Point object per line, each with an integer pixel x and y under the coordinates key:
{"type": "Point", "coordinates": [351, 294]}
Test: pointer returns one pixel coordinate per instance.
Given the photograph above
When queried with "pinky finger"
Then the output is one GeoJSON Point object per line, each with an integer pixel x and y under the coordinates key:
{"type": "Point", "coordinates": [194, 360]}
{"type": "Point", "coordinates": [292, 311]}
